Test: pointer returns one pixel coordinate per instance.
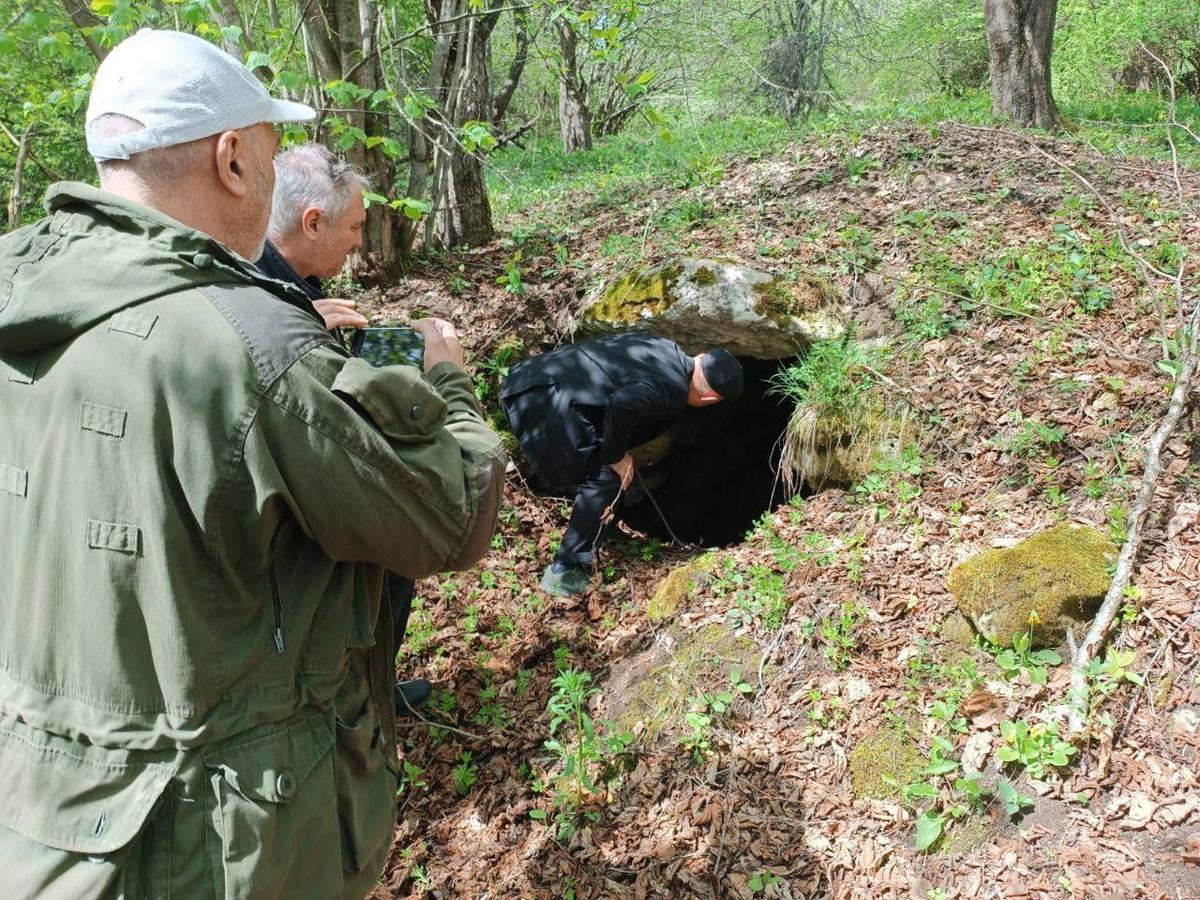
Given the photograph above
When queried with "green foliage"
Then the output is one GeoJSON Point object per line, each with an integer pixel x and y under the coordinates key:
{"type": "Point", "coordinates": [834, 379]}
{"type": "Point", "coordinates": [411, 778]}
{"type": "Point", "coordinates": [492, 713]}
{"type": "Point", "coordinates": [1028, 437]}
{"type": "Point", "coordinates": [464, 773]}
{"type": "Point", "coordinates": [1036, 748]}
{"type": "Point", "coordinates": [705, 711]}
{"type": "Point", "coordinates": [585, 755]}
{"type": "Point", "coordinates": [1023, 659]}
{"type": "Point", "coordinates": [758, 597]}
{"type": "Point", "coordinates": [837, 634]}
{"type": "Point", "coordinates": [760, 881]}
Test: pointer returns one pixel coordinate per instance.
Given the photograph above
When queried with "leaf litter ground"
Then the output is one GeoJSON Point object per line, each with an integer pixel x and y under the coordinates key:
{"type": "Point", "coordinates": [930, 232]}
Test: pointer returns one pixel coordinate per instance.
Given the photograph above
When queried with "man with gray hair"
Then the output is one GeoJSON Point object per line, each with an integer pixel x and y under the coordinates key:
{"type": "Point", "coordinates": [200, 492]}
{"type": "Point", "coordinates": [317, 220]}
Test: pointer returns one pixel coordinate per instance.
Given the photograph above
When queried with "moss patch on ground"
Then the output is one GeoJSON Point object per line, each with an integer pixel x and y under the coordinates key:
{"type": "Point", "coordinates": [1047, 582]}
{"type": "Point", "coordinates": [657, 686]}
{"type": "Point", "coordinates": [882, 764]}
{"type": "Point", "coordinates": [965, 835]}
{"type": "Point", "coordinates": [677, 587]}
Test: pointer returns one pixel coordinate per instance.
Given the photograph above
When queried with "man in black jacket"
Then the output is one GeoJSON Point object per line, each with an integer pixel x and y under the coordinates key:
{"type": "Point", "coordinates": [578, 410]}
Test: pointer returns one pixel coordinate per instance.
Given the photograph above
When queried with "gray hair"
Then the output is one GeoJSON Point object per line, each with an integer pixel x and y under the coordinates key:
{"type": "Point", "coordinates": [309, 175]}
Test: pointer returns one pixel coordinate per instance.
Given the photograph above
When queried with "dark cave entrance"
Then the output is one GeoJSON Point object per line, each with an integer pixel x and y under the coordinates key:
{"type": "Point", "coordinates": [720, 472]}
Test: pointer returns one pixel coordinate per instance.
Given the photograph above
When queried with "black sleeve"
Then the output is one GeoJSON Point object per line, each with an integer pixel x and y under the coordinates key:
{"type": "Point", "coordinates": [639, 408]}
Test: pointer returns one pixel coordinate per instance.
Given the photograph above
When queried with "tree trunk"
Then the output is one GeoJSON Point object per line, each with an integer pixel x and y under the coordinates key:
{"type": "Point", "coordinates": [458, 81]}
{"type": "Point", "coordinates": [85, 18]}
{"type": "Point", "coordinates": [1020, 35]}
{"type": "Point", "coordinates": [228, 15]}
{"type": "Point", "coordinates": [574, 118]}
{"type": "Point", "coordinates": [509, 87]}
{"type": "Point", "coordinates": [14, 196]}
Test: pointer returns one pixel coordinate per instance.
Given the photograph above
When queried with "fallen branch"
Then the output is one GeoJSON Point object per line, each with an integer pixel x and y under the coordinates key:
{"type": "Point", "coordinates": [1077, 699]}
{"type": "Point", "coordinates": [1082, 656]}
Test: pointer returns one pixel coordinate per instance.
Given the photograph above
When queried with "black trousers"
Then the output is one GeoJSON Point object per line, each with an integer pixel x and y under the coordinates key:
{"type": "Point", "coordinates": [583, 532]}
{"type": "Point", "coordinates": [561, 447]}
{"type": "Point", "coordinates": [400, 591]}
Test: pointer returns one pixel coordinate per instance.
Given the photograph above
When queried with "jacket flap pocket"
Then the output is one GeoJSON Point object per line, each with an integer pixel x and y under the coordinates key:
{"type": "Point", "coordinates": [271, 767]}
{"type": "Point", "coordinates": [80, 799]}
{"type": "Point", "coordinates": [397, 398]}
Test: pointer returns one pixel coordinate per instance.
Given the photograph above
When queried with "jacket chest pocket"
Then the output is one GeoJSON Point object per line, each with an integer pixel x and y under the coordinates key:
{"type": "Point", "coordinates": [273, 815]}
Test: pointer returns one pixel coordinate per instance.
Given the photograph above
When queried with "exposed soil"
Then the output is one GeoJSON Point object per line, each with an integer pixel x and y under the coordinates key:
{"type": "Point", "coordinates": [1123, 820]}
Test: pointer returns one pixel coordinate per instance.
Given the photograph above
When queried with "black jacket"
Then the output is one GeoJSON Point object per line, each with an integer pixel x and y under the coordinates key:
{"type": "Point", "coordinates": [273, 265]}
{"type": "Point", "coordinates": [593, 401]}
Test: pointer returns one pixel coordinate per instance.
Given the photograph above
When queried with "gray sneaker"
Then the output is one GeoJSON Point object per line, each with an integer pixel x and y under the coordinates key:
{"type": "Point", "coordinates": [566, 581]}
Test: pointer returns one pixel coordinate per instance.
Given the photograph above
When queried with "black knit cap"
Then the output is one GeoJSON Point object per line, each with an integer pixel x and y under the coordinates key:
{"type": "Point", "coordinates": [723, 373]}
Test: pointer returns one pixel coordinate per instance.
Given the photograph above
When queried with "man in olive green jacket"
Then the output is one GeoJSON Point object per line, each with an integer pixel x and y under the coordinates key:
{"type": "Point", "coordinates": [199, 493]}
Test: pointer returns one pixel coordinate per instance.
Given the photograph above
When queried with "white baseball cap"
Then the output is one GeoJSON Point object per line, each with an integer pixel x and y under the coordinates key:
{"type": "Point", "coordinates": [181, 88]}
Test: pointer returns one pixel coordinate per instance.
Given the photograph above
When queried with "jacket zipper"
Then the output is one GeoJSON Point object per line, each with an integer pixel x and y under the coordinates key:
{"type": "Point", "coordinates": [276, 610]}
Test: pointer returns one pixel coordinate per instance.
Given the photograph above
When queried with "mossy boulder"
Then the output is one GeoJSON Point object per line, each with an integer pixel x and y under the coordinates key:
{"type": "Point", "coordinates": [677, 587]}
{"type": "Point", "coordinates": [706, 303]}
{"type": "Point", "coordinates": [882, 764]}
{"type": "Point", "coordinates": [824, 450]}
{"type": "Point", "coordinates": [1049, 582]}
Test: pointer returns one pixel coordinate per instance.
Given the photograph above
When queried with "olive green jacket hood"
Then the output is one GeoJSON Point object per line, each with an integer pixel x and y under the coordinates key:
{"type": "Point", "coordinates": [64, 274]}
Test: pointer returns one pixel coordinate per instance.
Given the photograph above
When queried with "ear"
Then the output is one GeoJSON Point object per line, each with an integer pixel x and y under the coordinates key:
{"type": "Point", "coordinates": [233, 164]}
{"type": "Point", "coordinates": [311, 220]}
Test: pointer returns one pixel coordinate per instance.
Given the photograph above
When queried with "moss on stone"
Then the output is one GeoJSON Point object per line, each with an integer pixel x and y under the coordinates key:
{"type": "Point", "coordinates": [677, 587]}
{"type": "Point", "coordinates": [704, 275]}
{"type": "Point", "coordinates": [957, 631]}
{"type": "Point", "coordinates": [637, 296]}
{"type": "Point", "coordinates": [882, 764]}
{"type": "Point", "coordinates": [700, 660]}
{"type": "Point", "coordinates": [779, 302]}
{"type": "Point", "coordinates": [1046, 582]}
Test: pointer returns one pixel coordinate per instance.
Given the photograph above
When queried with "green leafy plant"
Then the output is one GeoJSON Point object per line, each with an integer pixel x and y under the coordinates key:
{"type": "Point", "coordinates": [410, 777]}
{"type": "Point", "coordinates": [464, 773]}
{"type": "Point", "coordinates": [492, 713]}
{"type": "Point", "coordinates": [511, 279]}
{"type": "Point", "coordinates": [837, 634]}
{"type": "Point", "coordinates": [1036, 748]}
{"type": "Point", "coordinates": [1021, 658]}
{"type": "Point", "coordinates": [760, 881]}
{"type": "Point", "coordinates": [759, 597]}
{"type": "Point", "coordinates": [584, 759]}
{"type": "Point", "coordinates": [697, 741]}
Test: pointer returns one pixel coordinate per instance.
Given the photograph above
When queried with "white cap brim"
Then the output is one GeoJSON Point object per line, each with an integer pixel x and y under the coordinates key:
{"type": "Point", "coordinates": [287, 111]}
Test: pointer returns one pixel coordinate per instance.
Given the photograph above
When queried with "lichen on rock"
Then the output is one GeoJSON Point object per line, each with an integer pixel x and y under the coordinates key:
{"type": "Point", "coordinates": [780, 300]}
{"type": "Point", "coordinates": [704, 303]}
{"type": "Point", "coordinates": [637, 296]}
{"type": "Point", "coordinates": [1045, 583]}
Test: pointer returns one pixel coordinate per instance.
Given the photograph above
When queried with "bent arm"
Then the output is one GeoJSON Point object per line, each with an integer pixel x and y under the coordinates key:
{"type": "Point", "coordinates": [382, 465]}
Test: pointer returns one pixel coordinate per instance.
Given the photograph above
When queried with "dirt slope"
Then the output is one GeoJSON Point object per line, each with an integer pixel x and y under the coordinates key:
{"type": "Point", "coordinates": [1030, 410]}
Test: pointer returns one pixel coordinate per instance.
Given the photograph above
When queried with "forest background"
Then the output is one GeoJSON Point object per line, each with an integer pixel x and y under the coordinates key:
{"type": "Point", "coordinates": [461, 111]}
